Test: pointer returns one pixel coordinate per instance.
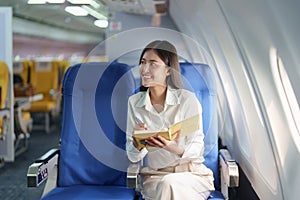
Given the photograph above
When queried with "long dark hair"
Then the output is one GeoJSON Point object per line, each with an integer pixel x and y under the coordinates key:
{"type": "Point", "coordinates": [168, 54]}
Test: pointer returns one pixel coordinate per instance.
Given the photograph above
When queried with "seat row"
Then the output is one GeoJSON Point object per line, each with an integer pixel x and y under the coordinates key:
{"type": "Point", "coordinates": [91, 160]}
{"type": "Point", "coordinates": [42, 78]}
{"type": "Point", "coordinates": [13, 131]}
{"type": "Point", "coordinates": [36, 90]}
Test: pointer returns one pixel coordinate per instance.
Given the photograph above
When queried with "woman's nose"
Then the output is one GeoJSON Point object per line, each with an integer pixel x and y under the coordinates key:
{"type": "Point", "coordinates": [145, 67]}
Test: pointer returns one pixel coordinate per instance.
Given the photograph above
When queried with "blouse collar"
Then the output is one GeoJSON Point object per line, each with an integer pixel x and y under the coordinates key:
{"type": "Point", "coordinates": [172, 98]}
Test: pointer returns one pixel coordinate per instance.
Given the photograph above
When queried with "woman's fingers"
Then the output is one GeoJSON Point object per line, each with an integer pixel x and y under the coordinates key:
{"type": "Point", "coordinates": [155, 141]}
{"type": "Point", "coordinates": [178, 134]}
{"type": "Point", "coordinates": [140, 127]}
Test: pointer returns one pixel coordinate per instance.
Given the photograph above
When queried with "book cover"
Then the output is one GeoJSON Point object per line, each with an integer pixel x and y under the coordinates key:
{"type": "Point", "coordinates": [186, 126]}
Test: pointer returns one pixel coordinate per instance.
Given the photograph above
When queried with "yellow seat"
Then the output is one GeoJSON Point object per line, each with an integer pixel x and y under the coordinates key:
{"type": "Point", "coordinates": [44, 78]}
{"type": "Point", "coordinates": [23, 68]}
{"type": "Point", "coordinates": [23, 120]}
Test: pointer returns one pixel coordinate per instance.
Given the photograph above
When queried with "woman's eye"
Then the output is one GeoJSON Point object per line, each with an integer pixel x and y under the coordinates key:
{"type": "Point", "coordinates": [154, 65]}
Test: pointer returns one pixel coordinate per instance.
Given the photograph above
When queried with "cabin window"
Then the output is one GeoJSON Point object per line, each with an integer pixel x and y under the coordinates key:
{"type": "Point", "coordinates": [289, 93]}
{"type": "Point", "coordinates": [286, 91]}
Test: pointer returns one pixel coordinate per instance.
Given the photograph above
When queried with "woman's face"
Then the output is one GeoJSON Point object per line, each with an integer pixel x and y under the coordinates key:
{"type": "Point", "coordinates": [153, 70]}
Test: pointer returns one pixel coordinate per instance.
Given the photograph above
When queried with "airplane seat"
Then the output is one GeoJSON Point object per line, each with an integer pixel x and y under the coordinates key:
{"type": "Point", "coordinates": [23, 69]}
{"type": "Point", "coordinates": [4, 109]}
{"type": "Point", "coordinates": [199, 79]}
{"type": "Point", "coordinates": [92, 159]}
{"type": "Point", "coordinates": [44, 78]}
{"type": "Point", "coordinates": [22, 88]}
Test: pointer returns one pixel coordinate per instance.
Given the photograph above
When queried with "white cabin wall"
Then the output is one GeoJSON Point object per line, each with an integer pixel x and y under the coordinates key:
{"type": "Point", "coordinates": [255, 128]}
{"type": "Point", "coordinates": [135, 32]}
{"type": "Point", "coordinates": [259, 30]}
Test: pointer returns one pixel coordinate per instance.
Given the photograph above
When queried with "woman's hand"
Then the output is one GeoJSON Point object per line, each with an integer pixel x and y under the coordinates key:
{"type": "Point", "coordinates": [169, 145]}
{"type": "Point", "coordinates": [141, 126]}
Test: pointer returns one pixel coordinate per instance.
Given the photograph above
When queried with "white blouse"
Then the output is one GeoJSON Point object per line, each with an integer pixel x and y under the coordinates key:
{"type": "Point", "coordinates": [180, 104]}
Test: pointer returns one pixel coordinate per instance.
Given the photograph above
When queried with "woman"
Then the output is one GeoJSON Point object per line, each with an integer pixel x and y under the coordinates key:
{"type": "Point", "coordinates": [176, 169]}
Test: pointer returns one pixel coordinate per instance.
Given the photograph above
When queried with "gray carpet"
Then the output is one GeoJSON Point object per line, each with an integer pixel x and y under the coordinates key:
{"type": "Point", "coordinates": [13, 181]}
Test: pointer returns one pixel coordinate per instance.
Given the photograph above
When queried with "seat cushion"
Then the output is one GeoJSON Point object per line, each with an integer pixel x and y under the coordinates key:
{"type": "Point", "coordinates": [42, 106]}
{"type": "Point", "coordinates": [216, 195]}
{"type": "Point", "coordinates": [90, 192]}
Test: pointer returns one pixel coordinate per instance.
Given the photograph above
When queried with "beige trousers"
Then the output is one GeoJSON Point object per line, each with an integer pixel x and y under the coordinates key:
{"type": "Point", "coordinates": [188, 181]}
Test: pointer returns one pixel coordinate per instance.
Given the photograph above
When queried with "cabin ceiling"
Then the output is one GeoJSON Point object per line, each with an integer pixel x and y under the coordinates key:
{"type": "Point", "coordinates": [144, 7]}
{"type": "Point", "coordinates": [54, 15]}
{"type": "Point", "coordinates": [49, 27]}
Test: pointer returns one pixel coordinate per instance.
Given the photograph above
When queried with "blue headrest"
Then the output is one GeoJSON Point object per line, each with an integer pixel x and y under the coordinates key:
{"type": "Point", "coordinates": [93, 137]}
{"type": "Point", "coordinates": [199, 79]}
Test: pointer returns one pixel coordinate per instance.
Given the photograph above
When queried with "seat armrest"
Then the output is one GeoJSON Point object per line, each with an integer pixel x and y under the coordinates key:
{"type": "Point", "coordinates": [229, 168]}
{"type": "Point", "coordinates": [56, 96]}
{"type": "Point", "coordinates": [132, 175]}
{"type": "Point", "coordinates": [5, 116]}
{"type": "Point", "coordinates": [21, 127]}
{"type": "Point", "coordinates": [54, 93]}
{"type": "Point", "coordinates": [4, 113]}
{"type": "Point", "coordinates": [23, 104]}
{"type": "Point", "coordinates": [39, 171]}
{"type": "Point", "coordinates": [229, 172]}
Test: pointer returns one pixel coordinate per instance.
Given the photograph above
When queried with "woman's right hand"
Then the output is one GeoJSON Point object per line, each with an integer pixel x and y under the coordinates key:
{"type": "Point", "coordinates": [141, 126]}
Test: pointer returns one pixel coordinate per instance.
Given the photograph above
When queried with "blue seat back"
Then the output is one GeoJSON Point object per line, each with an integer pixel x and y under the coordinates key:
{"type": "Point", "coordinates": [199, 79]}
{"type": "Point", "coordinates": [93, 136]}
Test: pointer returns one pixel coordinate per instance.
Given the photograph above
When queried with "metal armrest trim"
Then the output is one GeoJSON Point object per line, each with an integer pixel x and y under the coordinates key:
{"type": "Point", "coordinates": [39, 171]}
{"type": "Point", "coordinates": [47, 156]}
{"type": "Point", "coordinates": [22, 104]}
{"type": "Point", "coordinates": [4, 112]}
{"type": "Point", "coordinates": [132, 175]}
{"type": "Point", "coordinates": [229, 168]}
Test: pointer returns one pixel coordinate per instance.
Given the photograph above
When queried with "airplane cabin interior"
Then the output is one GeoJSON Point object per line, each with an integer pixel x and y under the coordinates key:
{"type": "Point", "coordinates": [69, 67]}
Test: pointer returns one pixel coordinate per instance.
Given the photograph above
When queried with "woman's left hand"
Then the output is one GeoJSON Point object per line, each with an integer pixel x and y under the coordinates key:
{"type": "Point", "coordinates": [169, 145]}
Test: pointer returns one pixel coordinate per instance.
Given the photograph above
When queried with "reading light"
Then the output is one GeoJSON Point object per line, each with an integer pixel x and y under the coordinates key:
{"type": "Point", "coordinates": [56, 1]}
{"type": "Point", "coordinates": [93, 12]}
{"type": "Point", "coordinates": [95, 4]}
{"type": "Point", "coordinates": [102, 23]}
{"type": "Point", "coordinates": [36, 2]}
{"type": "Point", "coordinates": [76, 10]}
{"type": "Point", "coordinates": [80, 1]}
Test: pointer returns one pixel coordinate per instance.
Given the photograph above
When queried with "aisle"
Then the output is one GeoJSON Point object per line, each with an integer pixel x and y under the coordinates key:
{"type": "Point", "coordinates": [13, 182]}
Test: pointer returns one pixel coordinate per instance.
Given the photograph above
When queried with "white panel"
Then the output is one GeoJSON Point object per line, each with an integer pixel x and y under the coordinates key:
{"type": "Point", "coordinates": [43, 66]}
{"type": "Point", "coordinates": [121, 44]}
{"type": "Point", "coordinates": [21, 26]}
{"type": "Point", "coordinates": [7, 145]}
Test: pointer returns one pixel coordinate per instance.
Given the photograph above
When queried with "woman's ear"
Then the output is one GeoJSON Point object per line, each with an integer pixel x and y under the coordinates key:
{"type": "Point", "coordinates": [168, 71]}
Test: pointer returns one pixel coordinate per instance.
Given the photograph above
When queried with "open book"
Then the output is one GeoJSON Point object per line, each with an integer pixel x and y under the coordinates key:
{"type": "Point", "coordinates": [186, 126]}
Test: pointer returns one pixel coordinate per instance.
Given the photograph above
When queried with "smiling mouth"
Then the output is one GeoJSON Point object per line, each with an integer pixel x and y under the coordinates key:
{"type": "Point", "coordinates": [146, 77]}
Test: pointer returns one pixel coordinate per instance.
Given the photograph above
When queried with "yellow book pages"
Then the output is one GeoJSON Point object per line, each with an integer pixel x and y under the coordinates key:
{"type": "Point", "coordinates": [144, 134]}
{"type": "Point", "coordinates": [186, 126]}
{"type": "Point", "coordinates": [190, 125]}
